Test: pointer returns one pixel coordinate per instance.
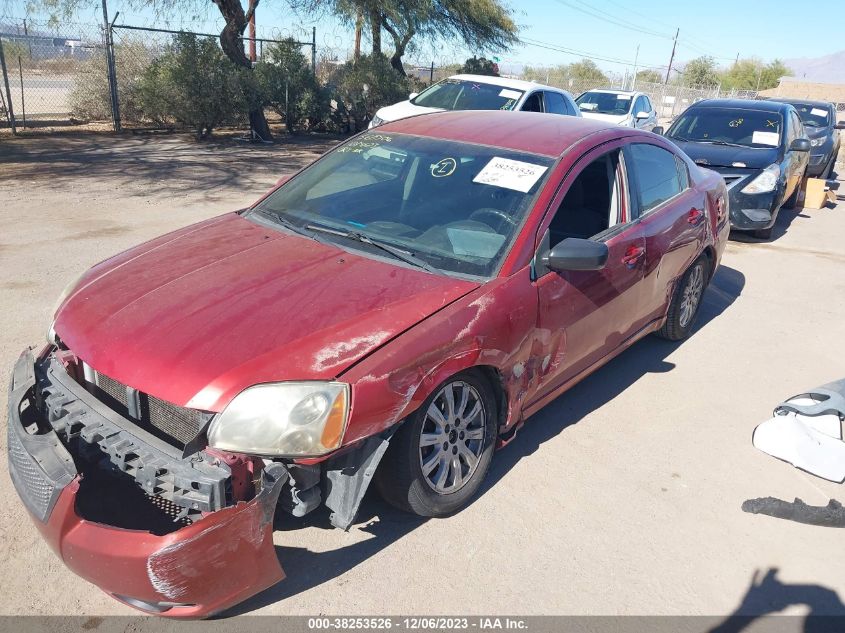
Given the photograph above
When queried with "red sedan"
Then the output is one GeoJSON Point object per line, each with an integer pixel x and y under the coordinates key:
{"type": "Point", "coordinates": [394, 312]}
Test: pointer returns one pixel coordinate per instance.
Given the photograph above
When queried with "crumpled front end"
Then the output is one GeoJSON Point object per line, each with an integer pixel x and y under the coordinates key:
{"type": "Point", "coordinates": [170, 535]}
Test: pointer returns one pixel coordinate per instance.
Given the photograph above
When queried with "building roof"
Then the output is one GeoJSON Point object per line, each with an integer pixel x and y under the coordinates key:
{"type": "Point", "coordinates": [832, 93]}
{"type": "Point", "coordinates": [534, 132]}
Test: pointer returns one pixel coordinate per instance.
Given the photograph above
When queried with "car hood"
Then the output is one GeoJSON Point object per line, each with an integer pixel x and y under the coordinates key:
{"type": "Point", "coordinates": [402, 110]}
{"type": "Point", "coordinates": [197, 316]}
{"type": "Point", "coordinates": [725, 156]}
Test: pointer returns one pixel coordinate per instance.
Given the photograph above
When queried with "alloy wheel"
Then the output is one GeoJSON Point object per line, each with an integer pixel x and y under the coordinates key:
{"type": "Point", "coordinates": [692, 295]}
{"type": "Point", "coordinates": [452, 437]}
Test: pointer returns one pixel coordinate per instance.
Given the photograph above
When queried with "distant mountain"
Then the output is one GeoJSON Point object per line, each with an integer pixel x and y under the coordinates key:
{"type": "Point", "coordinates": [829, 69]}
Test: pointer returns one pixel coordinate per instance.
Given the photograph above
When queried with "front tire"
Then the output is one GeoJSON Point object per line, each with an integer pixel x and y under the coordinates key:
{"type": "Point", "coordinates": [686, 301]}
{"type": "Point", "coordinates": [439, 457]}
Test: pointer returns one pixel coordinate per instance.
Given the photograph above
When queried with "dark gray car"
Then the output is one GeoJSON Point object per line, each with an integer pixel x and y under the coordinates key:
{"type": "Point", "coordinates": [819, 118]}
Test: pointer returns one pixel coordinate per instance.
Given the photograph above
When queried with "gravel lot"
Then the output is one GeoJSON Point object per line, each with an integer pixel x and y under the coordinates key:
{"type": "Point", "coordinates": [622, 497]}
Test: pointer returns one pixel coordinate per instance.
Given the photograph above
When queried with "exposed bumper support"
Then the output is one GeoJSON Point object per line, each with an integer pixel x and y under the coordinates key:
{"type": "Point", "coordinates": [201, 569]}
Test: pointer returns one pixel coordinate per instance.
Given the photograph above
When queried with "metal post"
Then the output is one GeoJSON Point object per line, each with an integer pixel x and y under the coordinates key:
{"type": "Point", "coordinates": [112, 72]}
{"type": "Point", "coordinates": [23, 102]}
{"type": "Point", "coordinates": [431, 74]}
{"type": "Point", "coordinates": [636, 59]}
{"type": "Point", "coordinates": [314, 49]}
{"type": "Point", "coordinates": [8, 91]}
{"type": "Point", "coordinates": [671, 57]}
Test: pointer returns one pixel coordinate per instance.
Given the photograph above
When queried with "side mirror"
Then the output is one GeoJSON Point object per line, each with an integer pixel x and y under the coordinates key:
{"type": "Point", "coordinates": [657, 129]}
{"type": "Point", "coordinates": [800, 145]}
{"type": "Point", "coordinates": [413, 96]}
{"type": "Point", "coordinates": [576, 254]}
{"type": "Point", "coordinates": [840, 125]}
{"type": "Point", "coordinates": [283, 179]}
{"type": "Point", "coordinates": [642, 114]}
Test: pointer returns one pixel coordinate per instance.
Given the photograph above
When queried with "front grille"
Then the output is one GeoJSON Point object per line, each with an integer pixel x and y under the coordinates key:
{"type": "Point", "coordinates": [175, 424]}
{"type": "Point", "coordinates": [30, 481]}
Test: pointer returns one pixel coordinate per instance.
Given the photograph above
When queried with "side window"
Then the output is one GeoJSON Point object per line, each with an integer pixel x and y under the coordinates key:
{"type": "Point", "coordinates": [791, 129]}
{"type": "Point", "coordinates": [656, 174]}
{"type": "Point", "coordinates": [534, 102]}
{"type": "Point", "coordinates": [683, 173]}
{"type": "Point", "coordinates": [647, 103]}
{"type": "Point", "coordinates": [593, 202]}
{"type": "Point", "coordinates": [639, 106]}
{"type": "Point", "coordinates": [555, 103]}
{"type": "Point", "coordinates": [800, 132]}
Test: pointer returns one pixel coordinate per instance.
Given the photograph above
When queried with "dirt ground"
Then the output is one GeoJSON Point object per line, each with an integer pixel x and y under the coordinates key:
{"type": "Point", "coordinates": [621, 497]}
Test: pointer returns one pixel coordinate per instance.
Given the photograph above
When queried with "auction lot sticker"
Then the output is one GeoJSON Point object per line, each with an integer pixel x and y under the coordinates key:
{"type": "Point", "coordinates": [510, 174]}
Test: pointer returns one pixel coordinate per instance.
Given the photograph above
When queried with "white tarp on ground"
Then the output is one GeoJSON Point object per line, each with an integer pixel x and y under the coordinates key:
{"type": "Point", "coordinates": [811, 443]}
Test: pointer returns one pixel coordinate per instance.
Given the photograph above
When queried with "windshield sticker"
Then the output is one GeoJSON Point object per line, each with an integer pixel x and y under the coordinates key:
{"type": "Point", "coordinates": [510, 174]}
{"type": "Point", "coordinates": [588, 106]}
{"type": "Point", "coordinates": [510, 94]}
{"type": "Point", "coordinates": [507, 105]}
{"type": "Point", "coordinates": [444, 167]}
{"type": "Point", "coordinates": [818, 112]}
{"type": "Point", "coordinates": [475, 243]}
{"type": "Point", "coordinates": [623, 97]}
{"type": "Point", "coordinates": [765, 138]}
{"type": "Point", "coordinates": [736, 122]}
{"type": "Point", "coordinates": [773, 124]}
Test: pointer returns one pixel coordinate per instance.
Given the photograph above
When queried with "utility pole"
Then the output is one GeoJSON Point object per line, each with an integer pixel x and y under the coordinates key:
{"type": "Point", "coordinates": [672, 56]}
{"type": "Point", "coordinates": [252, 54]}
{"type": "Point", "coordinates": [636, 57]}
{"type": "Point", "coordinates": [736, 61]}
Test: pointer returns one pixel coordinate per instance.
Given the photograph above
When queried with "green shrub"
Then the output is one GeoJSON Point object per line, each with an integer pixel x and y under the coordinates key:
{"type": "Point", "coordinates": [194, 84]}
{"type": "Point", "coordinates": [288, 86]}
{"type": "Point", "coordinates": [360, 88]}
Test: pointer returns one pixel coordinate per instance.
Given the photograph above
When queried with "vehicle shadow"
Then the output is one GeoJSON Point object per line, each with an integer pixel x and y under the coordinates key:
{"type": "Point", "coordinates": [387, 525]}
{"type": "Point", "coordinates": [782, 225]}
{"type": "Point", "coordinates": [768, 595]}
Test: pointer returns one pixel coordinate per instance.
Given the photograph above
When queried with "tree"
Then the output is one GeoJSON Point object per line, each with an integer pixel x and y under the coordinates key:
{"type": "Point", "coordinates": [649, 76]}
{"type": "Point", "coordinates": [700, 71]}
{"type": "Point", "coordinates": [480, 66]}
{"type": "Point", "coordinates": [586, 71]}
{"type": "Point", "coordinates": [482, 25]}
{"type": "Point", "coordinates": [753, 74]}
{"type": "Point", "coordinates": [235, 15]}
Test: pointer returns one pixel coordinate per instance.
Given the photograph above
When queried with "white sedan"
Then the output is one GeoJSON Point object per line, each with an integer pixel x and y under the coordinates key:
{"type": "Point", "coordinates": [480, 92]}
{"type": "Point", "coordinates": [620, 107]}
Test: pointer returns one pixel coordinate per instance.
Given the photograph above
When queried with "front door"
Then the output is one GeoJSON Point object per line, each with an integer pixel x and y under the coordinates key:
{"type": "Point", "coordinates": [585, 315]}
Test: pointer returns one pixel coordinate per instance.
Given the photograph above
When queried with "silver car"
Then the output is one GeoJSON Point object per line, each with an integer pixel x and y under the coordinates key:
{"type": "Point", "coordinates": [622, 107]}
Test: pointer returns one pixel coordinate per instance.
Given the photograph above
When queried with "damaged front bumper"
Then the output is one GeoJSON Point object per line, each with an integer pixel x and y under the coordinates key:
{"type": "Point", "coordinates": [162, 561]}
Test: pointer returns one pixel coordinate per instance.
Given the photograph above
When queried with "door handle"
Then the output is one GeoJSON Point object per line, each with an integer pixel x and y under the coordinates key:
{"type": "Point", "coordinates": [632, 256]}
{"type": "Point", "coordinates": [695, 216]}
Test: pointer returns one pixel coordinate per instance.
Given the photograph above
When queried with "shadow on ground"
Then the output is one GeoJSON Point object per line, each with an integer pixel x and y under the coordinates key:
{"type": "Point", "coordinates": [767, 595]}
{"type": "Point", "coordinates": [387, 525]}
{"type": "Point", "coordinates": [164, 163]}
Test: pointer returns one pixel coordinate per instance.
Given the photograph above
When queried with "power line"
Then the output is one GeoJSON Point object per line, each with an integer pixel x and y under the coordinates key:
{"type": "Point", "coordinates": [612, 20]}
{"type": "Point", "coordinates": [585, 54]}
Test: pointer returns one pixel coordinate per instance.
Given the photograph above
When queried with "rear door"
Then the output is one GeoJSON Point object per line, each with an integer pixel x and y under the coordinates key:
{"type": "Point", "coordinates": [585, 315]}
{"type": "Point", "coordinates": [673, 218]}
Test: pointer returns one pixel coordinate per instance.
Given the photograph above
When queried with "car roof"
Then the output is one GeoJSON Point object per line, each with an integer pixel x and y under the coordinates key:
{"type": "Point", "coordinates": [743, 104]}
{"type": "Point", "coordinates": [809, 102]}
{"type": "Point", "coordinates": [505, 82]}
{"type": "Point", "coordinates": [533, 132]}
{"type": "Point", "coordinates": [615, 92]}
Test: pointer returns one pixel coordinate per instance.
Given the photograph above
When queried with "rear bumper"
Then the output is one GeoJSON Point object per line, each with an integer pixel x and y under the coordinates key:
{"type": "Point", "coordinates": [195, 571]}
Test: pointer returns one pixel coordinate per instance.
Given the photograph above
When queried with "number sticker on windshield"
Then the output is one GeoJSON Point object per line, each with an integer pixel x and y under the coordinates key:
{"type": "Point", "coordinates": [443, 168]}
{"type": "Point", "coordinates": [510, 174]}
{"type": "Point", "coordinates": [818, 112]}
{"type": "Point", "coordinates": [765, 138]}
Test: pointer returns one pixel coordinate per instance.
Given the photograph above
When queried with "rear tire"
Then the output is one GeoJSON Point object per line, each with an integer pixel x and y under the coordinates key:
{"type": "Point", "coordinates": [686, 301]}
{"type": "Point", "coordinates": [439, 457]}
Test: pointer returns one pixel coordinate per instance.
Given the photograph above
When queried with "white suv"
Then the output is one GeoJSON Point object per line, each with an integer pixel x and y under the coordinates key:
{"type": "Point", "coordinates": [622, 107]}
{"type": "Point", "coordinates": [480, 92]}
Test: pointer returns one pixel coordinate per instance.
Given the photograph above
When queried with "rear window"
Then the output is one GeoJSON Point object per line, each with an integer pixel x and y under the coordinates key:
{"type": "Point", "coordinates": [459, 94]}
{"type": "Point", "coordinates": [728, 126]}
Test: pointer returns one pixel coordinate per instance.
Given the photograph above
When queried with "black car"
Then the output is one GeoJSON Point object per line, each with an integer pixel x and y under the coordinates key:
{"type": "Point", "coordinates": [819, 118]}
{"type": "Point", "coordinates": [759, 147]}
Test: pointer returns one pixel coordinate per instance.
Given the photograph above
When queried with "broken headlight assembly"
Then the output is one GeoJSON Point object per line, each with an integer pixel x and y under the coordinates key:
{"type": "Point", "coordinates": [286, 419]}
{"type": "Point", "coordinates": [765, 181]}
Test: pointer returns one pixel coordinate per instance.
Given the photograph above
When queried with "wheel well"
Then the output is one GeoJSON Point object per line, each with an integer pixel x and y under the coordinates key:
{"type": "Point", "coordinates": [710, 254]}
{"type": "Point", "coordinates": [494, 378]}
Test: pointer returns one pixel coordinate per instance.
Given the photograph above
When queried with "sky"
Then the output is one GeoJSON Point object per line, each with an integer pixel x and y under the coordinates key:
{"type": "Point", "coordinates": [564, 31]}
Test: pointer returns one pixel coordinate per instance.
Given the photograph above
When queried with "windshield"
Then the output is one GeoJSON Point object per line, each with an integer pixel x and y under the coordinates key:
{"type": "Point", "coordinates": [813, 116]}
{"type": "Point", "coordinates": [449, 206]}
{"type": "Point", "coordinates": [605, 103]}
{"type": "Point", "coordinates": [460, 94]}
{"type": "Point", "coordinates": [728, 126]}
